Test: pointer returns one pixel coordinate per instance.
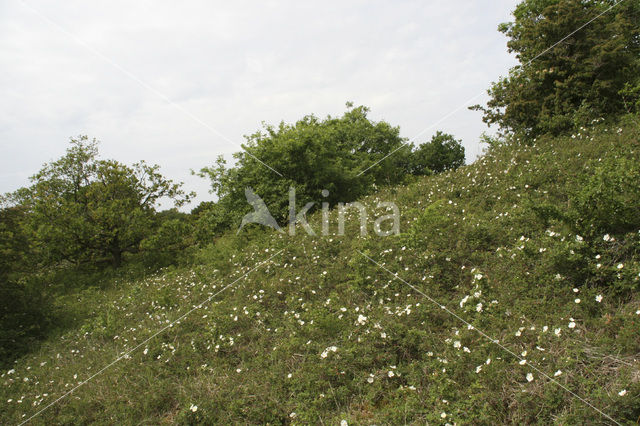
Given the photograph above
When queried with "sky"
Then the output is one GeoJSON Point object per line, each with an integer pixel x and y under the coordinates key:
{"type": "Point", "coordinates": [179, 83]}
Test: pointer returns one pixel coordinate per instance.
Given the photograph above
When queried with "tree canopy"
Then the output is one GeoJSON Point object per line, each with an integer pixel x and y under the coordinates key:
{"type": "Point", "coordinates": [82, 208]}
{"type": "Point", "coordinates": [346, 156]}
{"type": "Point", "coordinates": [563, 83]}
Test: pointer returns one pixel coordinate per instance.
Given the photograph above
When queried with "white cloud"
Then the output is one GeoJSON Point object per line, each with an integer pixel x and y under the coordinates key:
{"type": "Point", "coordinates": [233, 65]}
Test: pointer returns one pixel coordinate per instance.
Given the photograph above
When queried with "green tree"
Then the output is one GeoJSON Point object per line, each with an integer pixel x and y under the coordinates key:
{"type": "Point", "coordinates": [85, 209]}
{"type": "Point", "coordinates": [579, 79]}
{"type": "Point", "coordinates": [312, 155]}
{"type": "Point", "coordinates": [444, 152]}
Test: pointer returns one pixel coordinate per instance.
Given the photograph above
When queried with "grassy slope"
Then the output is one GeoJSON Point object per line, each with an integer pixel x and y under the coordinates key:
{"type": "Point", "coordinates": [254, 354]}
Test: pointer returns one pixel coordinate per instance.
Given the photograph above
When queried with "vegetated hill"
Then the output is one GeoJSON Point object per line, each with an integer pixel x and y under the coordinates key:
{"type": "Point", "coordinates": [535, 246]}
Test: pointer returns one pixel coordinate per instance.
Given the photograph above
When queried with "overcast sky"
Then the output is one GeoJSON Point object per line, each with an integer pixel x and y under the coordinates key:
{"type": "Point", "coordinates": [178, 83]}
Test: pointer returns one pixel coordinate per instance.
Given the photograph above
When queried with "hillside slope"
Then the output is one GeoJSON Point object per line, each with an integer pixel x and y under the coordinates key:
{"type": "Point", "coordinates": [537, 247]}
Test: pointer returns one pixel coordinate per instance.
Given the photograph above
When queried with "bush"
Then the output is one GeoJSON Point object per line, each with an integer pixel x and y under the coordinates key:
{"type": "Point", "coordinates": [609, 200]}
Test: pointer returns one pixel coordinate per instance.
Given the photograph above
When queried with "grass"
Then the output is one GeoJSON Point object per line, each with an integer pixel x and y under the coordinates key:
{"type": "Point", "coordinates": [514, 245]}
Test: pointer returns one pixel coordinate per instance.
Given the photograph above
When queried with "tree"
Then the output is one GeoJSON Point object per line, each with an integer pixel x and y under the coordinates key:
{"type": "Point", "coordinates": [444, 152]}
{"type": "Point", "coordinates": [82, 208]}
{"type": "Point", "coordinates": [312, 155]}
{"type": "Point", "coordinates": [23, 316]}
{"type": "Point", "coordinates": [558, 87]}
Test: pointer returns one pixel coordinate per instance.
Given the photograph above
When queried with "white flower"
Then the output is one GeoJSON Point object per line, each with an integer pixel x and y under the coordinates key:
{"type": "Point", "coordinates": [362, 319]}
{"type": "Point", "coordinates": [529, 377]}
{"type": "Point", "coordinates": [557, 331]}
{"type": "Point", "coordinates": [478, 368]}
{"type": "Point", "coordinates": [464, 300]}
{"type": "Point", "coordinates": [557, 373]}
{"type": "Point", "coordinates": [606, 237]}
{"type": "Point", "coordinates": [623, 392]}
{"type": "Point", "coordinates": [479, 307]}
{"type": "Point", "coordinates": [238, 370]}
{"type": "Point", "coordinates": [289, 375]}
{"type": "Point", "coordinates": [575, 290]}
{"type": "Point", "coordinates": [146, 351]}
{"type": "Point", "coordinates": [344, 423]}
{"type": "Point", "coordinates": [599, 298]}
{"type": "Point", "coordinates": [391, 373]}
{"type": "Point", "coordinates": [572, 324]}
{"type": "Point", "coordinates": [579, 238]}
{"type": "Point", "coordinates": [193, 408]}
{"type": "Point", "coordinates": [443, 415]}
{"type": "Point", "coordinates": [522, 362]}
{"type": "Point", "coordinates": [457, 344]}
{"type": "Point", "coordinates": [370, 379]}
{"type": "Point", "coordinates": [293, 415]}
{"type": "Point", "coordinates": [11, 371]}
{"type": "Point", "coordinates": [620, 265]}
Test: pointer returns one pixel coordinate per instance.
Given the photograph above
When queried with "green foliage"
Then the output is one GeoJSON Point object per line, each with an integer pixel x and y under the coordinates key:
{"type": "Point", "coordinates": [608, 199]}
{"type": "Point", "coordinates": [171, 243]}
{"type": "Point", "coordinates": [84, 209]}
{"type": "Point", "coordinates": [576, 81]}
{"type": "Point", "coordinates": [311, 155]}
{"type": "Point", "coordinates": [348, 156]}
{"type": "Point", "coordinates": [442, 153]}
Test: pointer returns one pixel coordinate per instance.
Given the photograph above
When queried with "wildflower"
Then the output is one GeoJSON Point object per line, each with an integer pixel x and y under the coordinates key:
{"type": "Point", "coordinates": [599, 298]}
{"type": "Point", "coordinates": [620, 265]}
{"type": "Point", "coordinates": [391, 373]}
{"type": "Point", "coordinates": [193, 408]}
{"type": "Point", "coordinates": [522, 362]}
{"type": "Point", "coordinates": [557, 331]}
{"type": "Point", "coordinates": [370, 378]}
{"type": "Point", "coordinates": [575, 290]}
{"type": "Point", "coordinates": [293, 415]}
{"type": "Point", "coordinates": [343, 423]}
{"type": "Point", "coordinates": [607, 237]}
{"type": "Point", "coordinates": [478, 368]}
{"type": "Point", "coordinates": [572, 324]}
{"type": "Point", "coordinates": [443, 415]}
{"type": "Point", "coordinates": [577, 300]}
{"type": "Point", "coordinates": [457, 344]}
{"type": "Point", "coordinates": [623, 392]}
{"type": "Point", "coordinates": [289, 375]}
{"type": "Point", "coordinates": [557, 373]}
{"type": "Point", "coordinates": [479, 307]}
{"type": "Point", "coordinates": [362, 319]}
{"type": "Point", "coordinates": [529, 377]}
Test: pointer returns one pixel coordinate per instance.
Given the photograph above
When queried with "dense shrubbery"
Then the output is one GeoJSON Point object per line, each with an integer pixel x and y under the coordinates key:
{"type": "Point", "coordinates": [536, 244]}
